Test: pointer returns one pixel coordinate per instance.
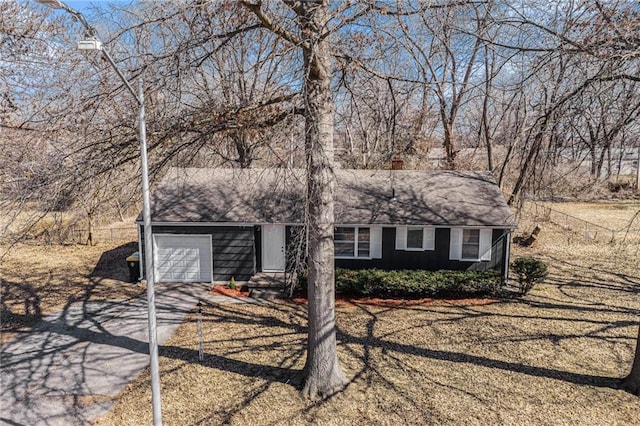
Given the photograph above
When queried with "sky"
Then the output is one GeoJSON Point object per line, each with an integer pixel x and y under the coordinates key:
{"type": "Point", "coordinates": [85, 6]}
{"type": "Point", "coordinates": [81, 5]}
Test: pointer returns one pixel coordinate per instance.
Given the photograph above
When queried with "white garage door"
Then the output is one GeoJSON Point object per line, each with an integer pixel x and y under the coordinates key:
{"type": "Point", "coordinates": [182, 258]}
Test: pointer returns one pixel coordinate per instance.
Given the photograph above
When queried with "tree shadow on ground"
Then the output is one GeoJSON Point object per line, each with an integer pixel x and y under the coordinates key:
{"type": "Point", "coordinates": [618, 281]}
{"type": "Point", "coordinates": [371, 342]}
{"type": "Point", "coordinates": [27, 295]}
{"type": "Point", "coordinates": [283, 324]}
{"type": "Point", "coordinates": [367, 345]}
{"type": "Point", "coordinates": [112, 263]}
{"type": "Point", "coordinates": [286, 322]}
{"type": "Point", "coordinates": [88, 349]}
{"type": "Point", "coordinates": [20, 306]}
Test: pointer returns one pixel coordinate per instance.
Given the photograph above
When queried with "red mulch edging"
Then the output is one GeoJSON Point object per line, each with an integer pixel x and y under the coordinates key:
{"type": "Point", "coordinates": [223, 290]}
{"type": "Point", "coordinates": [344, 301]}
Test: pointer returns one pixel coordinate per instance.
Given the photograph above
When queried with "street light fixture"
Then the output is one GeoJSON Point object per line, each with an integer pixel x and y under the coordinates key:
{"type": "Point", "coordinates": [92, 42]}
{"type": "Point", "coordinates": [89, 45]}
{"type": "Point", "coordinates": [53, 4]}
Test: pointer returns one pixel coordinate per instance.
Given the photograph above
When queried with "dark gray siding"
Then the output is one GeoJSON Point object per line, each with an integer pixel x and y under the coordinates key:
{"type": "Point", "coordinates": [237, 252]}
{"type": "Point", "coordinates": [429, 260]}
{"type": "Point", "coordinates": [234, 253]}
{"type": "Point", "coordinates": [257, 238]}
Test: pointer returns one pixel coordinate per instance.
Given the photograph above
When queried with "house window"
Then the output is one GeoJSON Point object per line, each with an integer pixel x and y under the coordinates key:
{"type": "Point", "coordinates": [344, 240]}
{"type": "Point", "coordinates": [415, 238]}
{"type": "Point", "coordinates": [352, 242]}
{"type": "Point", "coordinates": [364, 239]}
{"type": "Point", "coordinates": [470, 243]}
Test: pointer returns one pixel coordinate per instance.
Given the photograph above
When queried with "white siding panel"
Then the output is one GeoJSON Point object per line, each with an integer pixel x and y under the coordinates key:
{"type": "Point", "coordinates": [455, 244]}
{"type": "Point", "coordinates": [485, 244]}
{"type": "Point", "coordinates": [429, 238]}
{"type": "Point", "coordinates": [376, 242]}
{"type": "Point", "coordinates": [401, 238]}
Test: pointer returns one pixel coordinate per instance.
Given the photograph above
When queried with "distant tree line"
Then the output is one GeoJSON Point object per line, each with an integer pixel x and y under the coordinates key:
{"type": "Point", "coordinates": [536, 93]}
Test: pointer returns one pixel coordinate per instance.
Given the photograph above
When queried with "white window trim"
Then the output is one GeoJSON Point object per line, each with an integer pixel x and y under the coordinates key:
{"type": "Point", "coordinates": [406, 228]}
{"type": "Point", "coordinates": [375, 242]}
{"type": "Point", "coordinates": [355, 244]}
{"type": "Point", "coordinates": [484, 245]}
{"type": "Point", "coordinates": [471, 259]}
{"type": "Point", "coordinates": [428, 238]}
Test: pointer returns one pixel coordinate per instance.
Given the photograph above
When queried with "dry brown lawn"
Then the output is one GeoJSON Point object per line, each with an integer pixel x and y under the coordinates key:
{"type": "Point", "coordinates": [37, 280]}
{"type": "Point", "coordinates": [551, 357]}
{"type": "Point", "coordinates": [616, 215]}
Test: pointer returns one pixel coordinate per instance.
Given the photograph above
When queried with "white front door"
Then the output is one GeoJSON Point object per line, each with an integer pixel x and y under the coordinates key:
{"type": "Point", "coordinates": [273, 248]}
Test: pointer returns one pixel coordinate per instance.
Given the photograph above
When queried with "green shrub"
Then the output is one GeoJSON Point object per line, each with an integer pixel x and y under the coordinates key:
{"type": "Point", "coordinates": [232, 283]}
{"type": "Point", "coordinates": [529, 272]}
{"type": "Point", "coordinates": [412, 283]}
{"type": "Point", "coordinates": [415, 283]}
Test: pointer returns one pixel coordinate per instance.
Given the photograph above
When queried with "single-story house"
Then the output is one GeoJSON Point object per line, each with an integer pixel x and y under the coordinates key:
{"type": "Point", "coordinates": [213, 224]}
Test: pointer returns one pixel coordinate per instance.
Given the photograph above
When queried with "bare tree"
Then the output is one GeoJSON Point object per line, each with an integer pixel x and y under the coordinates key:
{"type": "Point", "coordinates": [377, 118]}
{"type": "Point", "coordinates": [631, 382]}
{"type": "Point", "coordinates": [36, 110]}
{"type": "Point", "coordinates": [447, 55]}
{"type": "Point", "coordinates": [230, 82]}
{"type": "Point", "coordinates": [605, 35]}
{"type": "Point", "coordinates": [323, 375]}
{"type": "Point", "coordinates": [598, 118]}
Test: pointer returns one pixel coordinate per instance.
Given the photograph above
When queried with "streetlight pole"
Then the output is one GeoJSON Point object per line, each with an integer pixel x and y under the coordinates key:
{"type": "Point", "coordinates": [638, 170]}
{"type": "Point", "coordinates": [94, 44]}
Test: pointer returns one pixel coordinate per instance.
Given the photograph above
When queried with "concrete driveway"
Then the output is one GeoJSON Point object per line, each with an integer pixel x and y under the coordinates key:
{"type": "Point", "coordinates": [67, 371]}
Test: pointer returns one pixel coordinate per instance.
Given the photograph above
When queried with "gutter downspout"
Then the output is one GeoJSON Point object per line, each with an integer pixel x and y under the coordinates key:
{"type": "Point", "coordinates": [507, 254]}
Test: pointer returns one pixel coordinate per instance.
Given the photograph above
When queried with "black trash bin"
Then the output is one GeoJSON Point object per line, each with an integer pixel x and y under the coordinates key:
{"type": "Point", "coordinates": [133, 262]}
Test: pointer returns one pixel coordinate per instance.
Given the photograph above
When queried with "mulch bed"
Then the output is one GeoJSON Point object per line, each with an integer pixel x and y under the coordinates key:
{"type": "Point", "coordinates": [346, 301]}
{"type": "Point", "coordinates": [223, 290]}
{"type": "Point", "coordinates": [300, 297]}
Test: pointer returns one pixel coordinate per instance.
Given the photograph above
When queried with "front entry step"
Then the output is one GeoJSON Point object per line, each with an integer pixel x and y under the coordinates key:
{"type": "Point", "coordinates": [267, 280]}
{"type": "Point", "coordinates": [267, 293]}
{"type": "Point", "coordinates": [267, 285]}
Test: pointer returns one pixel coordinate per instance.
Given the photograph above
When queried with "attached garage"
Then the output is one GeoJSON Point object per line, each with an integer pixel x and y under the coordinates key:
{"type": "Point", "coordinates": [182, 258]}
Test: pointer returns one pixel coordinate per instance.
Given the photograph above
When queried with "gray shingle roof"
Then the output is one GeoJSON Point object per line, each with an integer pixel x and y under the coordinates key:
{"type": "Point", "coordinates": [250, 196]}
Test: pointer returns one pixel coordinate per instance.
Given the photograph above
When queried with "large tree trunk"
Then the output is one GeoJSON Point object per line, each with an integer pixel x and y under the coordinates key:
{"type": "Point", "coordinates": [631, 383]}
{"type": "Point", "coordinates": [449, 145]}
{"type": "Point", "coordinates": [90, 226]}
{"type": "Point", "coordinates": [484, 125]}
{"type": "Point", "coordinates": [323, 375]}
{"type": "Point", "coordinates": [528, 162]}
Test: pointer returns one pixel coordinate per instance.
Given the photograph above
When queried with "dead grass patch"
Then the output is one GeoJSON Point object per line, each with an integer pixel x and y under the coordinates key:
{"type": "Point", "coordinates": [38, 280]}
{"type": "Point", "coordinates": [516, 362]}
{"type": "Point", "coordinates": [551, 357]}
{"type": "Point", "coordinates": [617, 215]}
